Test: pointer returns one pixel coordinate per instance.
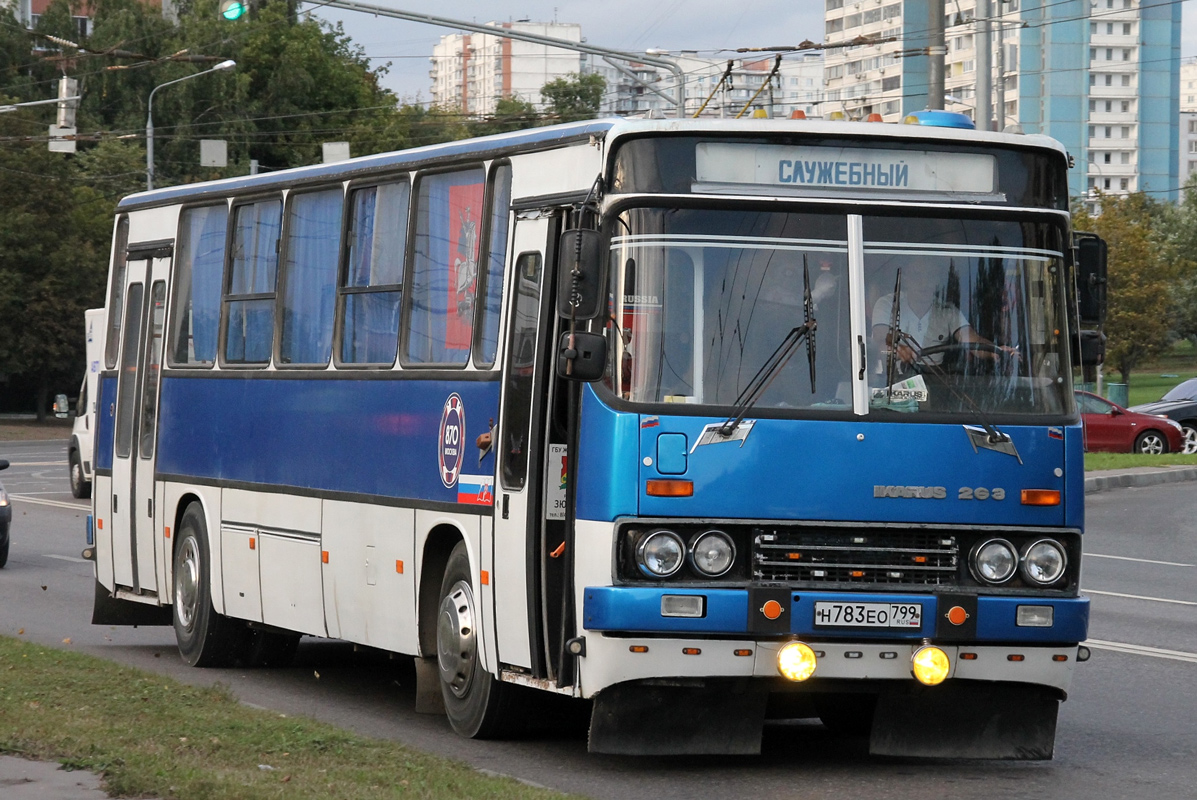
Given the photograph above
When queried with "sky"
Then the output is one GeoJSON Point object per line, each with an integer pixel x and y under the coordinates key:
{"type": "Point", "coordinates": [708, 26]}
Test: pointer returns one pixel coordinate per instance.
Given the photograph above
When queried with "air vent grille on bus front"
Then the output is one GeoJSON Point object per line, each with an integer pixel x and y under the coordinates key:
{"type": "Point", "coordinates": [858, 557]}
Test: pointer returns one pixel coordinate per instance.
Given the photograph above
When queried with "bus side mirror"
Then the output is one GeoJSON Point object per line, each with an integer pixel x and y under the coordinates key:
{"type": "Point", "coordinates": [581, 356]}
{"type": "Point", "coordinates": [1090, 351]}
{"type": "Point", "coordinates": [582, 276]}
{"type": "Point", "coordinates": [1090, 279]}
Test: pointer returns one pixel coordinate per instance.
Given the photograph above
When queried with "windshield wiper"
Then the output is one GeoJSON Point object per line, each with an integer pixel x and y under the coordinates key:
{"type": "Point", "coordinates": [778, 359]}
{"type": "Point", "coordinates": [895, 330]}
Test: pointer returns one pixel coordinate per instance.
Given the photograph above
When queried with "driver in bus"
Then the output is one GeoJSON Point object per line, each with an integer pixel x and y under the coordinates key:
{"type": "Point", "coordinates": [926, 318]}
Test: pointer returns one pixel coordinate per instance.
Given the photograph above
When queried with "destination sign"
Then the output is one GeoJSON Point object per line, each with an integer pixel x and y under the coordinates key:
{"type": "Point", "coordinates": [845, 168]}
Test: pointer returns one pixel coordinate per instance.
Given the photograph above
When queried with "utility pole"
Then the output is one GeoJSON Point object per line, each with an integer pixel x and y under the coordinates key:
{"type": "Point", "coordinates": [1000, 91]}
{"type": "Point", "coordinates": [984, 71]}
{"type": "Point", "coordinates": [935, 54]}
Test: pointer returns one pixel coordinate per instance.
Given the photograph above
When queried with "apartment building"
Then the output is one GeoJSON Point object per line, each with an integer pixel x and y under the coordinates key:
{"type": "Point", "coordinates": [1101, 76]}
{"type": "Point", "coordinates": [1188, 120]}
{"type": "Point", "coordinates": [473, 71]}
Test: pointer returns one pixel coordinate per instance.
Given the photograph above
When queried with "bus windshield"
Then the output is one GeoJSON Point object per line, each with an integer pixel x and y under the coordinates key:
{"type": "Point", "coordinates": [702, 298]}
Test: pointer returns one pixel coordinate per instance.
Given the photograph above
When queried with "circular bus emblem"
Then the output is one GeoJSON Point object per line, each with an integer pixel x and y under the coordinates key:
{"type": "Point", "coordinates": [452, 434]}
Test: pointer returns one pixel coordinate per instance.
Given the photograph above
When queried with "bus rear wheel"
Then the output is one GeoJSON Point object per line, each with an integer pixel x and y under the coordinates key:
{"type": "Point", "coordinates": [475, 701]}
{"type": "Point", "coordinates": [205, 638]}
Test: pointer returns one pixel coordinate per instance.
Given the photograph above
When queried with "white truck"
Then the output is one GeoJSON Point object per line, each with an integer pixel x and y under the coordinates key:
{"type": "Point", "coordinates": [82, 435]}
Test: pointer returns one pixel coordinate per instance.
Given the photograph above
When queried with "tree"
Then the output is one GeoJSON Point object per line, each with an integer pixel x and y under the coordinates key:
{"type": "Point", "coordinates": [511, 114]}
{"type": "Point", "coordinates": [575, 96]}
{"type": "Point", "coordinates": [1143, 267]}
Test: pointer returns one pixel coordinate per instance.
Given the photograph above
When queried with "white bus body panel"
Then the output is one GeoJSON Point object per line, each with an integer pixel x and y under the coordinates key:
{"type": "Point", "coordinates": [370, 580]}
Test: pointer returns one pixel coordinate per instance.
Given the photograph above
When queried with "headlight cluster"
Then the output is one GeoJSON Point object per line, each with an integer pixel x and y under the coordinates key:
{"type": "Point", "coordinates": [1041, 562]}
{"type": "Point", "coordinates": [661, 553]}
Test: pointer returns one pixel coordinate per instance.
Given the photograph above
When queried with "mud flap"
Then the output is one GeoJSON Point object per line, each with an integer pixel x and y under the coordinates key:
{"type": "Point", "coordinates": [429, 699]}
{"type": "Point", "coordinates": [654, 718]}
{"type": "Point", "coordinates": [967, 720]}
{"type": "Point", "coordinates": [108, 610]}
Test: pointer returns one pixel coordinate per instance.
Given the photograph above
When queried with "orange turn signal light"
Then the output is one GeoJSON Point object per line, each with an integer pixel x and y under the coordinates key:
{"type": "Point", "coordinates": [669, 488]}
{"type": "Point", "coordinates": [1041, 497]}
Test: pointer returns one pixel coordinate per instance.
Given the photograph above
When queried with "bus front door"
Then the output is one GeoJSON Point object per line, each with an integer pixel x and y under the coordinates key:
{"type": "Point", "coordinates": [521, 507]}
{"type": "Point", "coordinates": [135, 548]}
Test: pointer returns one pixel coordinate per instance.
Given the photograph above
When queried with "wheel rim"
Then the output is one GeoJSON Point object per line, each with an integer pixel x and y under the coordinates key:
{"type": "Point", "coordinates": [456, 640]}
{"type": "Point", "coordinates": [1190, 439]}
{"type": "Point", "coordinates": [1152, 444]}
{"type": "Point", "coordinates": [76, 474]}
{"type": "Point", "coordinates": [187, 578]}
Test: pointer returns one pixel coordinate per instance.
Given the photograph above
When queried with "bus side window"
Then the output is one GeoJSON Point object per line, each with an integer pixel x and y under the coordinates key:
{"type": "Point", "coordinates": [252, 277]}
{"type": "Point", "coordinates": [444, 276]}
{"type": "Point", "coordinates": [491, 293]}
{"type": "Point", "coordinates": [373, 285]}
{"type": "Point", "coordinates": [116, 297]}
{"type": "Point", "coordinates": [199, 267]}
{"type": "Point", "coordinates": [309, 276]}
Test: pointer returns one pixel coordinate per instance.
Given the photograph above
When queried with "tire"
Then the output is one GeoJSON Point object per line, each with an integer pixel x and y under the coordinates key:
{"type": "Point", "coordinates": [4, 550]}
{"type": "Point", "coordinates": [80, 486]}
{"type": "Point", "coordinates": [270, 649]}
{"type": "Point", "coordinates": [475, 702]}
{"type": "Point", "coordinates": [1151, 443]}
{"type": "Point", "coordinates": [205, 638]}
{"type": "Point", "coordinates": [1190, 431]}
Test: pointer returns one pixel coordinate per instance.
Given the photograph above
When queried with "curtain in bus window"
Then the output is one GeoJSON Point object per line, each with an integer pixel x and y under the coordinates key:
{"type": "Point", "coordinates": [199, 269]}
{"type": "Point", "coordinates": [497, 251]}
{"type": "Point", "coordinates": [252, 283]}
{"type": "Point", "coordinates": [445, 271]}
{"type": "Point", "coordinates": [374, 278]}
{"type": "Point", "coordinates": [310, 277]}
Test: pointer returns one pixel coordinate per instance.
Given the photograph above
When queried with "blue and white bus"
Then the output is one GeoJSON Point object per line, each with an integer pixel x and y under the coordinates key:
{"type": "Point", "coordinates": [710, 422]}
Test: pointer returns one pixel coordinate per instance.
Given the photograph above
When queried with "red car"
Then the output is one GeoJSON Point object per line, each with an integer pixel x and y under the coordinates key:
{"type": "Point", "coordinates": [1111, 428]}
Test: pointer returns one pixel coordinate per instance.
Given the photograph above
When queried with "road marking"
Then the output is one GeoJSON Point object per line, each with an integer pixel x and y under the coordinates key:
{"type": "Point", "coordinates": [56, 503]}
{"type": "Point", "coordinates": [66, 558]}
{"type": "Point", "coordinates": [1142, 650]}
{"type": "Point", "coordinates": [1141, 597]}
{"type": "Point", "coordinates": [1139, 560]}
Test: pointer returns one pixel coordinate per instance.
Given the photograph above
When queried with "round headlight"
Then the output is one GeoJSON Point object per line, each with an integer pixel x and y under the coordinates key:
{"type": "Point", "coordinates": [1043, 562]}
{"type": "Point", "coordinates": [994, 561]}
{"type": "Point", "coordinates": [660, 554]}
{"type": "Point", "coordinates": [712, 553]}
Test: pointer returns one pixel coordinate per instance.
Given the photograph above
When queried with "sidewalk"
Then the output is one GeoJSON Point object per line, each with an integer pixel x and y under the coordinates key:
{"type": "Point", "coordinates": [1105, 480]}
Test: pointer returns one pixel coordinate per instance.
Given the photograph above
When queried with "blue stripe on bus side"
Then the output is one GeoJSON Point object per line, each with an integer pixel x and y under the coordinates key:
{"type": "Point", "coordinates": [638, 609]}
{"type": "Point", "coordinates": [374, 437]}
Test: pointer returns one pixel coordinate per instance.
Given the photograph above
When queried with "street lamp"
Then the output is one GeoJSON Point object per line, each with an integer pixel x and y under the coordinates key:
{"type": "Point", "coordinates": [149, 119]}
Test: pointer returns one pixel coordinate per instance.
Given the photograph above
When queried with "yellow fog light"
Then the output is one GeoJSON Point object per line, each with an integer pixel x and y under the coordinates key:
{"type": "Point", "coordinates": [796, 661]}
{"type": "Point", "coordinates": [930, 665]}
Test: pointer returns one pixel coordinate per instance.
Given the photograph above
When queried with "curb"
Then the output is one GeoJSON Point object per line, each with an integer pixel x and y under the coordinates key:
{"type": "Point", "coordinates": [1097, 482]}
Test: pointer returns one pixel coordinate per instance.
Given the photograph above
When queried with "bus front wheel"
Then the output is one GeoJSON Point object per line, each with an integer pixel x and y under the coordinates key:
{"type": "Point", "coordinates": [474, 699]}
{"type": "Point", "coordinates": [206, 639]}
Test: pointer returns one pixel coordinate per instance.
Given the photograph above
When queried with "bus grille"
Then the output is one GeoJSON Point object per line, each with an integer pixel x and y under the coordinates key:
{"type": "Point", "coordinates": [858, 556]}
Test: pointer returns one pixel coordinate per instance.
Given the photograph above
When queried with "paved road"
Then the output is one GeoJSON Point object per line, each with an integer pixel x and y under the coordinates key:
{"type": "Point", "coordinates": [1127, 730]}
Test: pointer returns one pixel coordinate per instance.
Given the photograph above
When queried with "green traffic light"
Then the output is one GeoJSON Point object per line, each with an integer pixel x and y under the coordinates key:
{"type": "Point", "coordinates": [232, 9]}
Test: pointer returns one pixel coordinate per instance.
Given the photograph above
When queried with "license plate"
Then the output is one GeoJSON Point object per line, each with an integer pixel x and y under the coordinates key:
{"type": "Point", "coordinates": [868, 615]}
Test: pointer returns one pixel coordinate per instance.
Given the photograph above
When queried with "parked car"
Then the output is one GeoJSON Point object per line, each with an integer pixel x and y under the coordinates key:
{"type": "Point", "coordinates": [1110, 428]}
{"type": "Point", "coordinates": [1179, 404]}
{"type": "Point", "coordinates": [5, 519]}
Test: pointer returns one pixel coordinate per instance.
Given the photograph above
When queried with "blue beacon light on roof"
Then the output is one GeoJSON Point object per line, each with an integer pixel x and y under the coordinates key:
{"type": "Point", "coordinates": [939, 119]}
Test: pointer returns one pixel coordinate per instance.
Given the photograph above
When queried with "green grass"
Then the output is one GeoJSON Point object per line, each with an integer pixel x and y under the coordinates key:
{"type": "Point", "coordinates": [150, 735]}
{"type": "Point", "coordinates": [1127, 460]}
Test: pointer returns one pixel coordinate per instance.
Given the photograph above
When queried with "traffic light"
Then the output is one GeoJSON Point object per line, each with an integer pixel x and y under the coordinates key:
{"type": "Point", "coordinates": [233, 9]}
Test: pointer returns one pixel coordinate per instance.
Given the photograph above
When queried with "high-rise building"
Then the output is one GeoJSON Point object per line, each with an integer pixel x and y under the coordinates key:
{"type": "Point", "coordinates": [1101, 76]}
{"type": "Point", "coordinates": [473, 71]}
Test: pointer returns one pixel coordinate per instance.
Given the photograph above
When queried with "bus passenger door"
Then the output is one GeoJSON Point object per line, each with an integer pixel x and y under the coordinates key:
{"type": "Point", "coordinates": [519, 512]}
{"type": "Point", "coordinates": [133, 529]}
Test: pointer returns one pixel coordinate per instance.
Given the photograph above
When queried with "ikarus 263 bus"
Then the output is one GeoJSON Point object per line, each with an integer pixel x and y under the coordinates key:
{"type": "Point", "coordinates": [708, 421]}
